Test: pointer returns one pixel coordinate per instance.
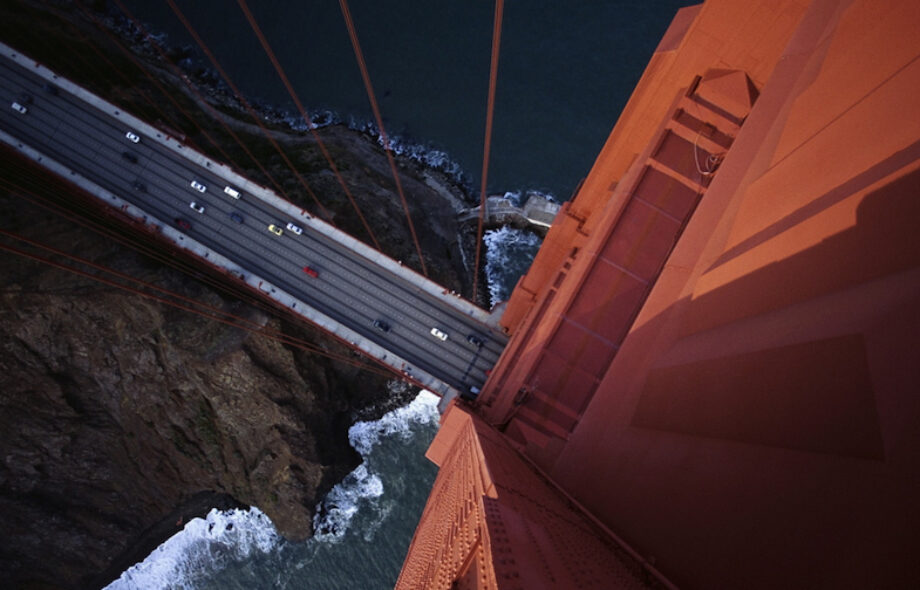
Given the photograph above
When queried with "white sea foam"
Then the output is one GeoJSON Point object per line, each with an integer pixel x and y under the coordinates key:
{"type": "Point", "coordinates": [362, 487]}
{"type": "Point", "coordinates": [423, 409]}
{"type": "Point", "coordinates": [201, 547]}
{"type": "Point", "coordinates": [509, 252]}
{"type": "Point", "coordinates": [207, 545]}
{"type": "Point", "coordinates": [516, 197]}
{"type": "Point", "coordinates": [427, 155]}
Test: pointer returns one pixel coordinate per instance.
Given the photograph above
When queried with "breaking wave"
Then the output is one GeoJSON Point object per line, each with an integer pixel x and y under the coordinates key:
{"type": "Point", "coordinates": [364, 487]}
{"type": "Point", "coordinates": [509, 252]}
{"type": "Point", "coordinates": [242, 549]}
{"type": "Point", "coordinates": [205, 544]}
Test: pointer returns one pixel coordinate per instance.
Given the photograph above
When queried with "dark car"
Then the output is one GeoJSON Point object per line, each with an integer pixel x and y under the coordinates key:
{"type": "Point", "coordinates": [183, 224]}
{"type": "Point", "coordinates": [474, 340]}
{"type": "Point", "coordinates": [382, 325]}
{"type": "Point", "coordinates": [236, 217]}
{"type": "Point", "coordinates": [470, 395]}
{"type": "Point", "coordinates": [129, 157]}
{"type": "Point", "coordinates": [50, 88]}
{"type": "Point", "coordinates": [139, 186]}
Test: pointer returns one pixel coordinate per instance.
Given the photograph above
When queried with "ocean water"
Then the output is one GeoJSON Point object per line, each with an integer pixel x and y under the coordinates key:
{"type": "Point", "coordinates": [566, 70]}
{"type": "Point", "coordinates": [364, 526]}
{"type": "Point", "coordinates": [509, 252]}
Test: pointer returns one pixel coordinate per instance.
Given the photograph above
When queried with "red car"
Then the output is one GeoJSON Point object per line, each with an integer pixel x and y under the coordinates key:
{"type": "Point", "coordinates": [183, 224]}
{"type": "Point", "coordinates": [311, 271]}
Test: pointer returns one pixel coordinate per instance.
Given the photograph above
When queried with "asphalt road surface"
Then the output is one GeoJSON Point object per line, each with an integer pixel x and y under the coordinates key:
{"type": "Point", "coordinates": [348, 288]}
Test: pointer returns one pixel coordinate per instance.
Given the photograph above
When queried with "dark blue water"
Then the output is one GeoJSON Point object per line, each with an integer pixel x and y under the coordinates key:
{"type": "Point", "coordinates": [565, 73]}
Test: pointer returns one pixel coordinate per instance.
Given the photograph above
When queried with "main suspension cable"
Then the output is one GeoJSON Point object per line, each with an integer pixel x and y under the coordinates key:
{"type": "Point", "coordinates": [303, 112]}
{"type": "Point", "coordinates": [201, 100]}
{"type": "Point", "coordinates": [30, 195]}
{"type": "Point", "coordinates": [487, 147]}
{"type": "Point", "coordinates": [252, 113]}
{"type": "Point", "coordinates": [184, 303]}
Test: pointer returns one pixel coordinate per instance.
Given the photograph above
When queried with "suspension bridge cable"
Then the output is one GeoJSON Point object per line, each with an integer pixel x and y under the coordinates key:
{"type": "Point", "coordinates": [168, 94]}
{"type": "Point", "coordinates": [169, 261]}
{"type": "Point", "coordinates": [352, 33]}
{"type": "Point", "coordinates": [250, 110]}
{"type": "Point", "coordinates": [166, 301]}
{"type": "Point", "coordinates": [303, 112]}
{"type": "Point", "coordinates": [154, 253]}
{"type": "Point", "coordinates": [493, 82]}
{"type": "Point", "coordinates": [203, 310]}
{"type": "Point", "coordinates": [131, 57]}
{"type": "Point", "coordinates": [112, 68]}
{"type": "Point", "coordinates": [217, 116]}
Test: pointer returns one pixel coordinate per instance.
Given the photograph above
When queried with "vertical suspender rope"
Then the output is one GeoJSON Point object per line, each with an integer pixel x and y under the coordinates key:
{"type": "Point", "coordinates": [201, 100]}
{"type": "Point", "coordinates": [303, 111]}
{"type": "Point", "coordinates": [255, 117]}
{"type": "Point", "coordinates": [383, 134]}
{"type": "Point", "coordinates": [493, 82]}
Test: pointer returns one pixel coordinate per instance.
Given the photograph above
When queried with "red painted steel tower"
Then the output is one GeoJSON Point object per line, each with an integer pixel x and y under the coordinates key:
{"type": "Point", "coordinates": [713, 379]}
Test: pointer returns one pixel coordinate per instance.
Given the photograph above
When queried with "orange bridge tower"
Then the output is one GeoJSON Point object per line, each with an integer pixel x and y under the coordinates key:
{"type": "Point", "coordinates": [713, 377]}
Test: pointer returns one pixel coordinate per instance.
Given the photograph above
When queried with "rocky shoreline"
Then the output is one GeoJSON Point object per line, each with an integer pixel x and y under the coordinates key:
{"type": "Point", "coordinates": [122, 417]}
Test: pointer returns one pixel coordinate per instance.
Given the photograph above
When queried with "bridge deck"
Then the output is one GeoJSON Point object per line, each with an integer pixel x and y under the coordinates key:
{"type": "Point", "coordinates": [82, 138]}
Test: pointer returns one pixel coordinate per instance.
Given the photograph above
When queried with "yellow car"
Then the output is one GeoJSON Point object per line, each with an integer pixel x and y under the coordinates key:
{"type": "Point", "coordinates": [275, 229]}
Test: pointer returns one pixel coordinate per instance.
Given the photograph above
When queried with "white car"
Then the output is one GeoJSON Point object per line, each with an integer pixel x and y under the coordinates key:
{"type": "Point", "coordinates": [132, 137]}
{"type": "Point", "coordinates": [439, 334]}
{"type": "Point", "coordinates": [196, 207]}
{"type": "Point", "coordinates": [232, 192]}
{"type": "Point", "coordinates": [19, 108]}
{"type": "Point", "coordinates": [198, 186]}
{"type": "Point", "coordinates": [294, 228]}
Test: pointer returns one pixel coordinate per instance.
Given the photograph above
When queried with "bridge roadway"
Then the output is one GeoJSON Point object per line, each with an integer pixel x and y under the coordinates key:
{"type": "Point", "coordinates": [88, 136]}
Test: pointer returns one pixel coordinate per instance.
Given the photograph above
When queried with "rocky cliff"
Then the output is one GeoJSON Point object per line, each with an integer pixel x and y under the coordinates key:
{"type": "Point", "coordinates": [121, 416]}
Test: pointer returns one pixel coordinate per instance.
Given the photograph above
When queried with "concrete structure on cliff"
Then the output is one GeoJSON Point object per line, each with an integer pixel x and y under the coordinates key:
{"type": "Point", "coordinates": [712, 380]}
{"type": "Point", "coordinates": [537, 213]}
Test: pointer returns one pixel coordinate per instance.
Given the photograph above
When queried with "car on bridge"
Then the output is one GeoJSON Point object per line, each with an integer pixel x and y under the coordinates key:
{"type": "Point", "coordinates": [382, 325]}
{"type": "Point", "coordinates": [275, 229]}
{"type": "Point", "coordinates": [132, 137]}
{"type": "Point", "coordinates": [196, 207]}
{"type": "Point", "coordinates": [21, 109]}
{"type": "Point", "coordinates": [232, 192]}
{"type": "Point", "coordinates": [129, 157]}
{"type": "Point", "coordinates": [236, 217]}
{"type": "Point", "coordinates": [198, 186]}
{"type": "Point", "coordinates": [311, 271]}
{"type": "Point", "coordinates": [296, 229]}
{"type": "Point", "coordinates": [437, 333]}
{"type": "Point", "coordinates": [183, 224]}
{"type": "Point", "coordinates": [474, 340]}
